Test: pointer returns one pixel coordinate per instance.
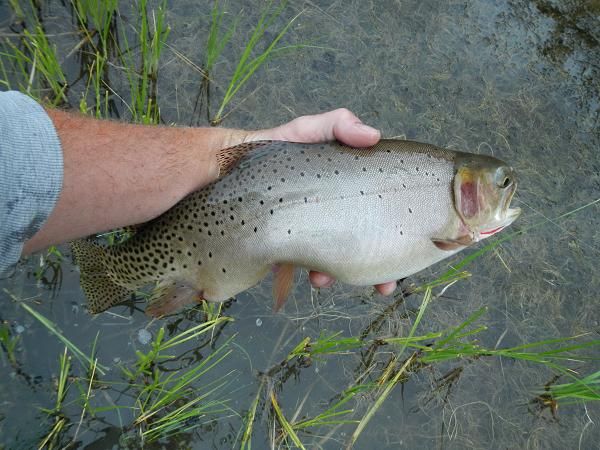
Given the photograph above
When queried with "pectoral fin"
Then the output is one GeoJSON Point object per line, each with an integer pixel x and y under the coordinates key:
{"type": "Point", "coordinates": [453, 244]}
{"type": "Point", "coordinates": [282, 284]}
{"type": "Point", "coordinates": [170, 297]}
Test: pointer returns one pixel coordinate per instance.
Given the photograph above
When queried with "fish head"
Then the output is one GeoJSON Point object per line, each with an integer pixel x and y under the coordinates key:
{"type": "Point", "coordinates": [483, 189]}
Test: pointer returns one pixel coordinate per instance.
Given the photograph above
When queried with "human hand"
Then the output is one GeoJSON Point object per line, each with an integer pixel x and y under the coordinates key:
{"type": "Point", "coordinates": [339, 124]}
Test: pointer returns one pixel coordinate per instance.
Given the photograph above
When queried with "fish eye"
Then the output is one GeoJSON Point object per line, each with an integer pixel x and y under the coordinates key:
{"type": "Point", "coordinates": [506, 182]}
{"type": "Point", "coordinates": [504, 178]}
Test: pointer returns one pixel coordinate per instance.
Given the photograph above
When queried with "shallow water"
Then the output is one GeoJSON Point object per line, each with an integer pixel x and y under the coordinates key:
{"type": "Point", "coordinates": [519, 81]}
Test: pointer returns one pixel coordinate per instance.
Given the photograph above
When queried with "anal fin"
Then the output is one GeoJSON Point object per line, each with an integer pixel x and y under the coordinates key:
{"type": "Point", "coordinates": [170, 297]}
{"type": "Point", "coordinates": [282, 284]}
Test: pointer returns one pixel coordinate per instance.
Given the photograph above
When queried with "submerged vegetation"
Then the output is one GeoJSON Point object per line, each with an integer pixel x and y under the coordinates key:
{"type": "Point", "coordinates": [173, 386]}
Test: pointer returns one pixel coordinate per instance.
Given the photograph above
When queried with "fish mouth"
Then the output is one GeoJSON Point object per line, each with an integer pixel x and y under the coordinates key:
{"type": "Point", "coordinates": [510, 216]}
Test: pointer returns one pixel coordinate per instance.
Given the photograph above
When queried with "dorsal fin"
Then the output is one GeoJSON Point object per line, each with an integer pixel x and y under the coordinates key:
{"type": "Point", "coordinates": [229, 157]}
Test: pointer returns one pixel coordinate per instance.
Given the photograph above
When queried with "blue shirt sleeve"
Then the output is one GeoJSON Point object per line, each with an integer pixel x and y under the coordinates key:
{"type": "Point", "coordinates": [31, 173]}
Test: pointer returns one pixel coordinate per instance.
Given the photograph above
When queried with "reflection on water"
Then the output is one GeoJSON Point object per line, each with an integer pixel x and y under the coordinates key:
{"type": "Point", "coordinates": [515, 79]}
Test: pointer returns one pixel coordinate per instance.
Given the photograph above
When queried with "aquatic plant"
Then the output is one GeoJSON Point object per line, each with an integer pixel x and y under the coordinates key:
{"type": "Point", "coordinates": [9, 343]}
{"type": "Point", "coordinates": [248, 64]}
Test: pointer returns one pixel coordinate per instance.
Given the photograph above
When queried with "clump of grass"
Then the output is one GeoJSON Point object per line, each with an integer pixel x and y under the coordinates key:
{"type": "Point", "coordinates": [216, 42]}
{"type": "Point", "coordinates": [97, 19]}
{"type": "Point", "coordinates": [84, 359]}
{"type": "Point", "coordinates": [38, 68]}
{"type": "Point", "coordinates": [49, 270]}
{"type": "Point", "coordinates": [172, 404]}
{"type": "Point", "coordinates": [9, 343]}
{"type": "Point", "coordinates": [52, 439]}
{"type": "Point", "coordinates": [584, 389]}
{"type": "Point", "coordinates": [249, 64]}
{"type": "Point", "coordinates": [143, 83]}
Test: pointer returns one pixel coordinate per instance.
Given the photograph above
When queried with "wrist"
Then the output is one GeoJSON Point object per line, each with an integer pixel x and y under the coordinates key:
{"type": "Point", "coordinates": [202, 154]}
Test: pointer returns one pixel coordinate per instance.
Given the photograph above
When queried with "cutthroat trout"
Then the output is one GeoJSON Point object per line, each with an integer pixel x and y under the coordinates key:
{"type": "Point", "coordinates": [364, 216]}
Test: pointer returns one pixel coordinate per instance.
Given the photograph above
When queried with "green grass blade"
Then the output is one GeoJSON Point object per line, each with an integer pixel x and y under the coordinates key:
{"type": "Point", "coordinates": [85, 360]}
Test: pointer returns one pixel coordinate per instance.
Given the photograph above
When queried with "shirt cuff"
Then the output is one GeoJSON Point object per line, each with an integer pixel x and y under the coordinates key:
{"type": "Point", "coordinates": [31, 173]}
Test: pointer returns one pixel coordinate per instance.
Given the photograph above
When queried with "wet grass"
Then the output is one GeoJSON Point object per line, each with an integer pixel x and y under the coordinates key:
{"type": "Point", "coordinates": [84, 360]}
{"type": "Point", "coordinates": [9, 343]}
{"type": "Point", "coordinates": [251, 59]}
{"type": "Point", "coordinates": [60, 422]}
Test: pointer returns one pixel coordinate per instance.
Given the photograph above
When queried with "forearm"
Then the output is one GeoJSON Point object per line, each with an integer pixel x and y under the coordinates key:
{"type": "Point", "coordinates": [118, 174]}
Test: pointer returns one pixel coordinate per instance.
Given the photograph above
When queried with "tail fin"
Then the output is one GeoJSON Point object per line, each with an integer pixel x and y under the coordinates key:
{"type": "Point", "coordinates": [100, 289]}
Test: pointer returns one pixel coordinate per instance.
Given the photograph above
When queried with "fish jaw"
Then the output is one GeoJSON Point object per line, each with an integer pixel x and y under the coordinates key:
{"type": "Point", "coordinates": [511, 215]}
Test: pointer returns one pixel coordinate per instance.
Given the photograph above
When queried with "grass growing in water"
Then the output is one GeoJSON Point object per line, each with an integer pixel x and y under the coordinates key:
{"type": "Point", "coordinates": [52, 439]}
{"type": "Point", "coordinates": [38, 68]}
{"type": "Point", "coordinates": [248, 64]}
{"type": "Point", "coordinates": [84, 359]}
{"type": "Point", "coordinates": [9, 343]}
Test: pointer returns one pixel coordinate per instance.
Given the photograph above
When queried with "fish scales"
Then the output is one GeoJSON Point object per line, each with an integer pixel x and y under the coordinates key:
{"type": "Point", "coordinates": [364, 216]}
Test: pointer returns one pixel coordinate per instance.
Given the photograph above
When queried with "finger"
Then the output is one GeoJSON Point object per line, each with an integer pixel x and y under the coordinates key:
{"type": "Point", "coordinates": [386, 288]}
{"type": "Point", "coordinates": [338, 124]}
{"type": "Point", "coordinates": [320, 279]}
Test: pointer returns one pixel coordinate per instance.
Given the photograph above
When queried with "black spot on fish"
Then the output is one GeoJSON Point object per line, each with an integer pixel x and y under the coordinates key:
{"type": "Point", "coordinates": [337, 172]}
{"type": "Point", "coordinates": [210, 254]}
{"type": "Point", "coordinates": [223, 269]}
{"type": "Point", "coordinates": [410, 210]}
